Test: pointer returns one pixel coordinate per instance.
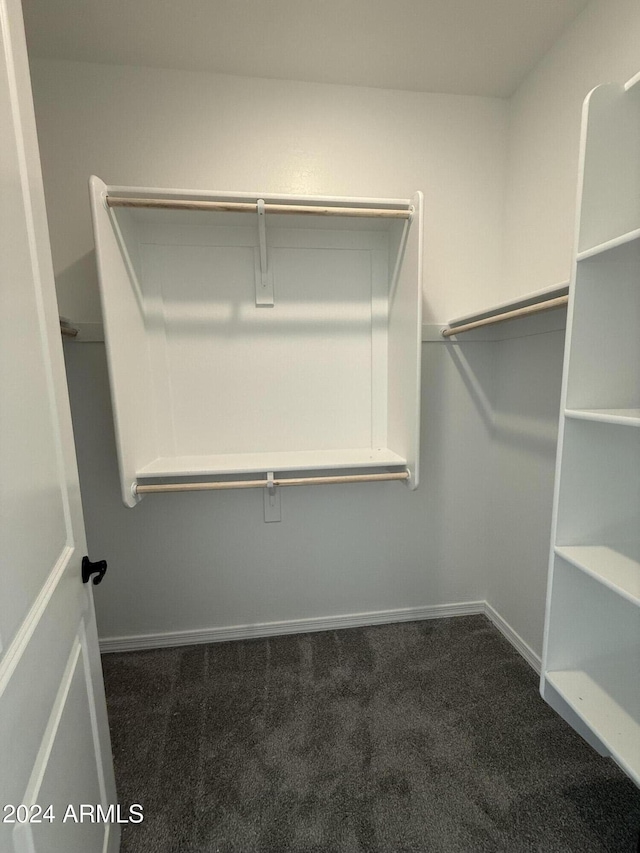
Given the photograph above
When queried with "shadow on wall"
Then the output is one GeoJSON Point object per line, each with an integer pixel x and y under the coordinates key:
{"type": "Point", "coordinates": [196, 312]}
{"type": "Point", "coordinates": [519, 401]}
{"type": "Point", "coordinates": [521, 411]}
{"type": "Point", "coordinates": [529, 381]}
{"type": "Point", "coordinates": [479, 377]}
{"type": "Point", "coordinates": [77, 285]}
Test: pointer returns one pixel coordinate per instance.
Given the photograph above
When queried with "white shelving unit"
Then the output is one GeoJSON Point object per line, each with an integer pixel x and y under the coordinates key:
{"type": "Point", "coordinates": [246, 335]}
{"type": "Point", "coordinates": [591, 660]}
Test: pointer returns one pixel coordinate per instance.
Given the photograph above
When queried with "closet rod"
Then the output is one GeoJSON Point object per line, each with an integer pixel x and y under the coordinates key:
{"type": "Point", "coordinates": [261, 484]}
{"type": "Point", "coordinates": [251, 207]}
{"type": "Point", "coordinates": [527, 311]}
{"type": "Point", "coordinates": [68, 331]}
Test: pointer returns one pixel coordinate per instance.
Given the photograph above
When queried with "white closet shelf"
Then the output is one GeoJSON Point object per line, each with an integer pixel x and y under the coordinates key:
{"type": "Point", "coordinates": [589, 694]}
{"type": "Point", "coordinates": [626, 417]}
{"type": "Point", "coordinates": [616, 568]}
{"type": "Point", "coordinates": [236, 321]}
{"type": "Point", "coordinates": [608, 245]}
{"type": "Point", "coordinates": [253, 463]}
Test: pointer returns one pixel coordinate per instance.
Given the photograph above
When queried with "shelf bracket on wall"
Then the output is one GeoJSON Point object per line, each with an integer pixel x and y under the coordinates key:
{"type": "Point", "coordinates": [264, 275]}
{"type": "Point", "coordinates": [272, 511]}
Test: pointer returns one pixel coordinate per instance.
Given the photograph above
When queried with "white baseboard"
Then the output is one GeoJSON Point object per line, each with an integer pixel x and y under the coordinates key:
{"type": "Point", "coordinates": [514, 638]}
{"type": "Point", "coordinates": [292, 626]}
{"type": "Point", "coordinates": [166, 639]}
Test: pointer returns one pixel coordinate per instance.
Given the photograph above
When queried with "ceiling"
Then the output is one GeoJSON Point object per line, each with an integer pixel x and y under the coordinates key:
{"type": "Point", "coordinates": [472, 47]}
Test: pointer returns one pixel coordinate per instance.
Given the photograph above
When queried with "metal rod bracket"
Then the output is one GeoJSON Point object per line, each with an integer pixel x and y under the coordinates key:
{"type": "Point", "coordinates": [271, 486]}
{"type": "Point", "coordinates": [272, 502]}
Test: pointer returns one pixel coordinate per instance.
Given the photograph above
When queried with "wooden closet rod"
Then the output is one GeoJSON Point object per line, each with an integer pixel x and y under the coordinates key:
{"type": "Point", "coordinates": [527, 311]}
{"type": "Point", "coordinates": [262, 484]}
{"type": "Point", "coordinates": [251, 207]}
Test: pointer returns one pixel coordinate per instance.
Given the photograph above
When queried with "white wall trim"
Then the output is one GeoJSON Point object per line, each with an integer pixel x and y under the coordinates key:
{"type": "Point", "coordinates": [167, 639]}
{"type": "Point", "coordinates": [514, 638]}
{"type": "Point", "coordinates": [291, 626]}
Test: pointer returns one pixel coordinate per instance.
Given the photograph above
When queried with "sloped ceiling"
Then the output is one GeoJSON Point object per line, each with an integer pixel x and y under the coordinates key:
{"type": "Point", "coordinates": [473, 47]}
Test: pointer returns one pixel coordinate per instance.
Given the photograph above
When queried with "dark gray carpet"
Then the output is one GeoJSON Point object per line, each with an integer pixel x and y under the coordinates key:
{"type": "Point", "coordinates": [423, 736]}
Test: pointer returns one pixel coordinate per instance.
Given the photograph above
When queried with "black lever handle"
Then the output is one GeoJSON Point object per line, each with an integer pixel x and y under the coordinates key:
{"type": "Point", "coordinates": [88, 568]}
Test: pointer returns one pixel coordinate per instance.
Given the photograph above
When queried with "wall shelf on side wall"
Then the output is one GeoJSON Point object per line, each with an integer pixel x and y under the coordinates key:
{"type": "Point", "coordinates": [624, 417]}
{"type": "Point", "coordinates": [499, 329]}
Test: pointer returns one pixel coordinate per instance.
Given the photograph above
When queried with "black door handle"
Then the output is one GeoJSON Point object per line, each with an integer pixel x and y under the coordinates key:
{"type": "Point", "coordinates": [88, 568]}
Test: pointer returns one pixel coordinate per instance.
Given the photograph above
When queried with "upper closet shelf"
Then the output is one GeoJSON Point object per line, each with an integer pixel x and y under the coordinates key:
{"type": "Point", "coordinates": [251, 333]}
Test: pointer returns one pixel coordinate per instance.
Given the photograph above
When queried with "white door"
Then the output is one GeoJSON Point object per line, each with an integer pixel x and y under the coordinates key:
{"type": "Point", "coordinates": [54, 740]}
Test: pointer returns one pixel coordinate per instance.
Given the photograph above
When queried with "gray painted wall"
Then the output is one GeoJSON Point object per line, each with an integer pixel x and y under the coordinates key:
{"type": "Point", "coordinates": [478, 527]}
{"type": "Point", "coordinates": [205, 561]}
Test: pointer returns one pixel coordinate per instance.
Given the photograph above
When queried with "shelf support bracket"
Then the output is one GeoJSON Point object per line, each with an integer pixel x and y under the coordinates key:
{"type": "Point", "coordinates": [264, 275]}
{"type": "Point", "coordinates": [272, 510]}
{"type": "Point", "coordinates": [400, 257]}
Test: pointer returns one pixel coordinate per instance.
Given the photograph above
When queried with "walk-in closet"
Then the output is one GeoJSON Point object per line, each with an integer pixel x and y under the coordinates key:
{"type": "Point", "coordinates": [320, 427]}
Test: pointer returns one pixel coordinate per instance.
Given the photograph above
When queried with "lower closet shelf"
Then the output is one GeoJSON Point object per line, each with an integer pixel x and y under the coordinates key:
{"type": "Point", "coordinates": [254, 463]}
{"type": "Point", "coordinates": [616, 567]}
{"type": "Point", "coordinates": [601, 697]}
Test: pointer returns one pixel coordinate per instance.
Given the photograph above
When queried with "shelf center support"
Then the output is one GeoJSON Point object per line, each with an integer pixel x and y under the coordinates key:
{"type": "Point", "coordinates": [400, 257]}
{"type": "Point", "coordinates": [272, 508]}
{"type": "Point", "coordinates": [264, 275]}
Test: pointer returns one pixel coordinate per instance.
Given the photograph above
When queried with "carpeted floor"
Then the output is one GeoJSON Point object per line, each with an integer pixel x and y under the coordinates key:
{"type": "Point", "coordinates": [424, 736]}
